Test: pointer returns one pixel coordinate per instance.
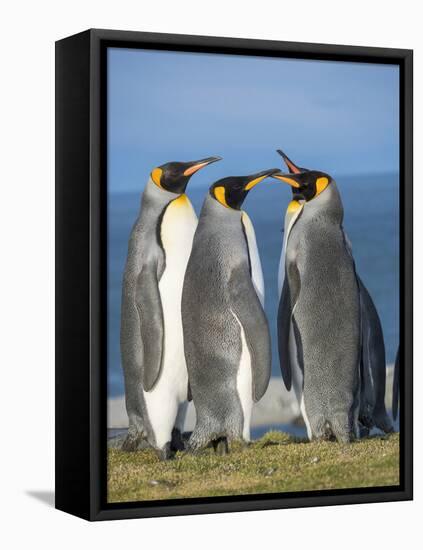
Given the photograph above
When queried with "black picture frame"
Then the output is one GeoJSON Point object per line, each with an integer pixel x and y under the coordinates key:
{"type": "Point", "coordinates": [81, 274]}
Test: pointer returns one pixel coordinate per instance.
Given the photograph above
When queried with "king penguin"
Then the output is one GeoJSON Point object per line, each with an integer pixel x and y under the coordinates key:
{"type": "Point", "coordinates": [152, 351]}
{"type": "Point", "coordinates": [330, 337]}
{"type": "Point", "coordinates": [226, 334]}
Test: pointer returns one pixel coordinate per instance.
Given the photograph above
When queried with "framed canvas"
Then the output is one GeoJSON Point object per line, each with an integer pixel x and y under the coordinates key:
{"type": "Point", "coordinates": [233, 274]}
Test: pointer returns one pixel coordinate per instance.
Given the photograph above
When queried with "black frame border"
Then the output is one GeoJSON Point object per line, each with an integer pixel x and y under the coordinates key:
{"type": "Point", "coordinates": [81, 111]}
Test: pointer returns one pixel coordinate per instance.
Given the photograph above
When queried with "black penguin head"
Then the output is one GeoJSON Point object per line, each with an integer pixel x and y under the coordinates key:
{"type": "Point", "coordinates": [174, 176]}
{"type": "Point", "coordinates": [231, 191]}
{"type": "Point", "coordinates": [306, 184]}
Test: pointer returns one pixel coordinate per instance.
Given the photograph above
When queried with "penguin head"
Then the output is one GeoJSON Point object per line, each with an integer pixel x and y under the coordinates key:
{"type": "Point", "coordinates": [231, 191]}
{"type": "Point", "coordinates": [306, 184]}
{"type": "Point", "coordinates": [174, 176]}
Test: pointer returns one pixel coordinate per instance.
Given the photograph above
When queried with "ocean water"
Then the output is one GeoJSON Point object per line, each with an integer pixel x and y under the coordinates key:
{"type": "Point", "coordinates": [371, 204]}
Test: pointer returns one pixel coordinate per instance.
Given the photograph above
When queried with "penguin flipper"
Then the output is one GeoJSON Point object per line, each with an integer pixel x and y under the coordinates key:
{"type": "Point", "coordinates": [284, 326]}
{"type": "Point", "coordinates": [373, 364]}
{"type": "Point", "coordinates": [372, 354]}
{"type": "Point", "coordinates": [290, 357]}
{"type": "Point", "coordinates": [395, 387]}
{"type": "Point", "coordinates": [150, 311]}
{"type": "Point", "coordinates": [368, 389]}
{"type": "Point", "coordinates": [246, 305]}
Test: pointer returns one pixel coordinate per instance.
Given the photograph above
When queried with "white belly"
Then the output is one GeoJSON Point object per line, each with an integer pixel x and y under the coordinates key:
{"type": "Point", "coordinates": [281, 270]}
{"type": "Point", "coordinates": [244, 383]}
{"type": "Point", "coordinates": [177, 233]}
{"type": "Point", "coordinates": [290, 219]}
{"type": "Point", "coordinates": [297, 375]}
{"type": "Point", "coordinates": [305, 418]}
{"type": "Point", "coordinates": [256, 270]}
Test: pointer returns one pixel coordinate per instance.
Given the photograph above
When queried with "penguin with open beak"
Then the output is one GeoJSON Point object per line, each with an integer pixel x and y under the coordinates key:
{"type": "Point", "coordinates": [226, 334]}
{"type": "Point", "coordinates": [152, 349]}
{"type": "Point", "coordinates": [330, 338]}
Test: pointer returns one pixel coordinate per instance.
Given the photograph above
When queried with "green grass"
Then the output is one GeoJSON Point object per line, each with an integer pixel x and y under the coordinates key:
{"type": "Point", "coordinates": [273, 464]}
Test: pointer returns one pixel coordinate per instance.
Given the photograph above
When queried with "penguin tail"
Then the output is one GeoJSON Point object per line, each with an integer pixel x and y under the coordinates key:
{"type": "Point", "coordinates": [221, 446]}
{"type": "Point", "coordinates": [200, 438]}
{"type": "Point", "coordinates": [321, 429]}
{"type": "Point", "coordinates": [342, 428]}
{"type": "Point", "coordinates": [328, 434]}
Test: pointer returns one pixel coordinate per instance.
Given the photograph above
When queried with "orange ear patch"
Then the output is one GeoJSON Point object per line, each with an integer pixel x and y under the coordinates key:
{"type": "Point", "coordinates": [219, 193]}
{"type": "Point", "coordinates": [156, 175]}
{"type": "Point", "coordinates": [321, 184]}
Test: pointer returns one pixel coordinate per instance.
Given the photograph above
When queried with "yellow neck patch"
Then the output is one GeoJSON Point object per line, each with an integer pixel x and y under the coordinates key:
{"type": "Point", "coordinates": [182, 200]}
{"type": "Point", "coordinates": [219, 193]}
{"type": "Point", "coordinates": [156, 175]}
{"type": "Point", "coordinates": [293, 206]}
{"type": "Point", "coordinates": [321, 184]}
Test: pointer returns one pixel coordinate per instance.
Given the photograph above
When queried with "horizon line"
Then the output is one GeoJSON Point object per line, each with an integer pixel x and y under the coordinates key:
{"type": "Point", "coordinates": [338, 176]}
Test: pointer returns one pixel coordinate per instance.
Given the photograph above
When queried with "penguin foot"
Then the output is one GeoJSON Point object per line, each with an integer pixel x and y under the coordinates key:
{"type": "Point", "coordinates": [333, 432]}
{"type": "Point", "coordinates": [177, 443]}
{"type": "Point", "coordinates": [245, 445]}
{"type": "Point", "coordinates": [342, 428]}
{"type": "Point", "coordinates": [166, 453]}
{"type": "Point", "coordinates": [324, 434]}
{"type": "Point", "coordinates": [383, 423]}
{"type": "Point", "coordinates": [364, 431]}
{"type": "Point", "coordinates": [198, 440]}
{"type": "Point", "coordinates": [221, 446]}
{"type": "Point", "coordinates": [132, 441]}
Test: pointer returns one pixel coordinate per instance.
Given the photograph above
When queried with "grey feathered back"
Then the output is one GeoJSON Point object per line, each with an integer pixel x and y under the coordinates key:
{"type": "Point", "coordinates": [217, 286]}
{"type": "Point", "coordinates": [326, 315]}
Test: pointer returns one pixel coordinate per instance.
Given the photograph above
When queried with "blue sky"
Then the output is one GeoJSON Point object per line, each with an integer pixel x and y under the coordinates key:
{"type": "Point", "coordinates": [341, 118]}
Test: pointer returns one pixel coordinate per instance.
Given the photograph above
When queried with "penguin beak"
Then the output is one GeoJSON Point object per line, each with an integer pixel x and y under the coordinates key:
{"type": "Point", "coordinates": [287, 178]}
{"type": "Point", "coordinates": [196, 165]}
{"type": "Point", "coordinates": [293, 169]}
{"type": "Point", "coordinates": [254, 179]}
